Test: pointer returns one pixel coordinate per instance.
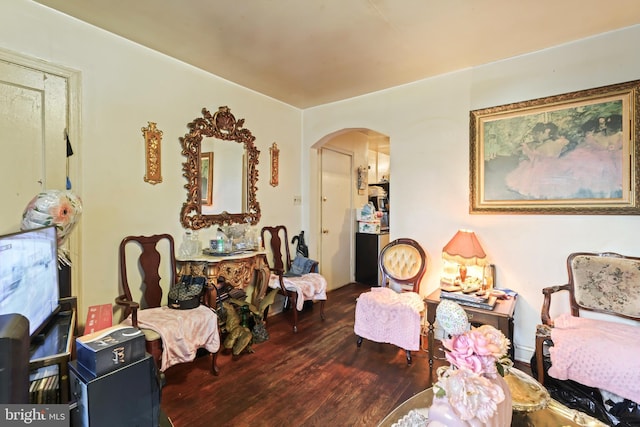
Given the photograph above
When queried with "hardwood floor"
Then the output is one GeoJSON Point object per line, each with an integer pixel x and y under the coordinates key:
{"type": "Point", "coordinates": [317, 377]}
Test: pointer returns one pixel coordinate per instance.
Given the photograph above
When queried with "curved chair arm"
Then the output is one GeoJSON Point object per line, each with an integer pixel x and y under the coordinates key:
{"type": "Point", "coordinates": [546, 304]}
{"type": "Point", "coordinates": [543, 334]}
{"type": "Point", "coordinates": [210, 296]}
{"type": "Point", "coordinates": [131, 307]}
{"type": "Point", "coordinates": [280, 273]}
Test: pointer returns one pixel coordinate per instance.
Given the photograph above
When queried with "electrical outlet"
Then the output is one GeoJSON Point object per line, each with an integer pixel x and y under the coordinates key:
{"type": "Point", "coordinates": [297, 200]}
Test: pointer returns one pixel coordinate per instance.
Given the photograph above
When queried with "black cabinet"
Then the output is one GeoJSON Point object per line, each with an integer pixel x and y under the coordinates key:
{"type": "Point", "coordinates": [368, 246]}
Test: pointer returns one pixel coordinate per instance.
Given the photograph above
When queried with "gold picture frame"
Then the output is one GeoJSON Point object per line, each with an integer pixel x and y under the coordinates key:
{"type": "Point", "coordinates": [206, 178]}
{"type": "Point", "coordinates": [576, 153]}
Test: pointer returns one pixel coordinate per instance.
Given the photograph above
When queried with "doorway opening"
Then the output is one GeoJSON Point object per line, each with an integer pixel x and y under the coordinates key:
{"type": "Point", "coordinates": [340, 156]}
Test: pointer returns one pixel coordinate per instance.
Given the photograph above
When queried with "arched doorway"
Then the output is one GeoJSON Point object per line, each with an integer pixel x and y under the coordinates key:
{"type": "Point", "coordinates": [340, 155]}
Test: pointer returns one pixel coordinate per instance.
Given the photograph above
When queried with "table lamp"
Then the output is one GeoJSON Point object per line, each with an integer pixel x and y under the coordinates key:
{"type": "Point", "coordinates": [464, 249]}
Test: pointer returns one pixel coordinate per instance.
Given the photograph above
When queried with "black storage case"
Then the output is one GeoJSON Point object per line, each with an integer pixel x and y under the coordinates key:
{"type": "Point", "coordinates": [126, 397]}
{"type": "Point", "coordinates": [14, 359]}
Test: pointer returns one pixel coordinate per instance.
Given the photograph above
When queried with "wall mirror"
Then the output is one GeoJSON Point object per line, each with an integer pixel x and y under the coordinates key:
{"type": "Point", "coordinates": [232, 172]}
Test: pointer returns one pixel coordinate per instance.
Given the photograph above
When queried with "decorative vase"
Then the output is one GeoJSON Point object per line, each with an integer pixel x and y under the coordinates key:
{"type": "Point", "coordinates": [443, 414]}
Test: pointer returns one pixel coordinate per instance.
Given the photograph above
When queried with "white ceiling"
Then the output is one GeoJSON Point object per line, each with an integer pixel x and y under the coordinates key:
{"type": "Point", "coordinates": [311, 52]}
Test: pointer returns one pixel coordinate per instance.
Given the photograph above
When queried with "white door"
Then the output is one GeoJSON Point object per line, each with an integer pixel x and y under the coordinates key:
{"type": "Point", "coordinates": [33, 119]}
{"type": "Point", "coordinates": [336, 218]}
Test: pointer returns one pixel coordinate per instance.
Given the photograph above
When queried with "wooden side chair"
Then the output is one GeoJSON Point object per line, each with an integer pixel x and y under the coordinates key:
{"type": "Point", "coordinates": [393, 312]}
{"type": "Point", "coordinates": [305, 285]}
{"type": "Point", "coordinates": [172, 335]}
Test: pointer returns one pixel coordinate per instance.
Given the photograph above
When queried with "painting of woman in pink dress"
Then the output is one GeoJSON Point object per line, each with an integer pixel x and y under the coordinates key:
{"type": "Point", "coordinates": [553, 167]}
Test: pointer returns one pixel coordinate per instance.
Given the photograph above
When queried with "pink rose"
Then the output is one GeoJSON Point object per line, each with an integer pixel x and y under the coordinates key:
{"type": "Point", "coordinates": [493, 341]}
{"type": "Point", "coordinates": [459, 344]}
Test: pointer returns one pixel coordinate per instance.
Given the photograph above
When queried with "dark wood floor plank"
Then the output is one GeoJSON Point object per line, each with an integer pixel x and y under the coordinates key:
{"type": "Point", "coordinates": [316, 377]}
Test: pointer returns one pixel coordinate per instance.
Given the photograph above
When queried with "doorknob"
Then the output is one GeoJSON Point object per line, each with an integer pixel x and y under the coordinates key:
{"type": "Point", "coordinates": [325, 231]}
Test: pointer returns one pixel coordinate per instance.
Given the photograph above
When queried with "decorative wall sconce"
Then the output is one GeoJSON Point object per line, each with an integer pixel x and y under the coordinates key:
{"type": "Point", "coordinates": [274, 152]}
{"type": "Point", "coordinates": [152, 146]}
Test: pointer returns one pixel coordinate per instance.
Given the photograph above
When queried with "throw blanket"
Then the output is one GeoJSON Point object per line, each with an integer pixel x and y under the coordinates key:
{"type": "Point", "coordinates": [597, 353]}
{"type": "Point", "coordinates": [183, 332]}
{"type": "Point", "coordinates": [311, 286]}
{"type": "Point", "coordinates": [383, 315]}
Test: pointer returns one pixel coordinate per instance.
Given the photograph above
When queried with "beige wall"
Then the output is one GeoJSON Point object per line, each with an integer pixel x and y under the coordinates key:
{"type": "Point", "coordinates": [123, 87]}
{"type": "Point", "coordinates": [428, 123]}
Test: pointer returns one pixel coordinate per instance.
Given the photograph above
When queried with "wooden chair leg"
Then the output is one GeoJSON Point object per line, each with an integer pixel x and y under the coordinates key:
{"type": "Point", "coordinates": [154, 348]}
{"type": "Point", "coordinates": [322, 309]}
{"type": "Point", "coordinates": [539, 357]}
{"type": "Point", "coordinates": [214, 364]}
{"type": "Point", "coordinates": [294, 307]}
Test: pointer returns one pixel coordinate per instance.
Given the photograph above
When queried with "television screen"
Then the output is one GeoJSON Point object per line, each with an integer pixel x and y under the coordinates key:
{"type": "Point", "coordinates": [29, 275]}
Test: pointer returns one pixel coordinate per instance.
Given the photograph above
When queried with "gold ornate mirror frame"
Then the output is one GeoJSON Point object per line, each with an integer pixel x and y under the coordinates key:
{"type": "Point", "coordinates": [222, 125]}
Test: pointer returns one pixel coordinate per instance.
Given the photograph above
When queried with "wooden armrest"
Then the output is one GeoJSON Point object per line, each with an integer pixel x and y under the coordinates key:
{"type": "Point", "coordinates": [315, 267]}
{"type": "Point", "coordinates": [210, 296]}
{"type": "Point", "coordinates": [130, 307]}
{"type": "Point", "coordinates": [544, 313]}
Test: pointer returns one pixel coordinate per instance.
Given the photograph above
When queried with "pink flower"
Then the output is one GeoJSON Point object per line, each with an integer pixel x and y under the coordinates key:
{"type": "Point", "coordinates": [471, 396]}
{"type": "Point", "coordinates": [489, 340]}
{"type": "Point", "coordinates": [477, 349]}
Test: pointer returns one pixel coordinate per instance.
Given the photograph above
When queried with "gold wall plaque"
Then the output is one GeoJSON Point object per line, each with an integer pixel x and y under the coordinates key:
{"type": "Point", "coordinates": [152, 146]}
{"type": "Point", "coordinates": [274, 151]}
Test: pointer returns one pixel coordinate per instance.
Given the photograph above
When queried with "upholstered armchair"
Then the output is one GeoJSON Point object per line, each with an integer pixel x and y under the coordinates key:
{"type": "Point", "coordinates": [392, 313]}
{"type": "Point", "coordinates": [599, 349]}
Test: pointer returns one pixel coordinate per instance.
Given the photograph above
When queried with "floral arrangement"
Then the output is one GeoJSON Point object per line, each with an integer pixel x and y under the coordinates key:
{"type": "Point", "coordinates": [477, 357]}
{"type": "Point", "coordinates": [481, 350]}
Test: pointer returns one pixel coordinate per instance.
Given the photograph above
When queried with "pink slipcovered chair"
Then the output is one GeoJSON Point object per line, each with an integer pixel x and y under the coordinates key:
{"type": "Point", "coordinates": [393, 312]}
{"type": "Point", "coordinates": [596, 351]}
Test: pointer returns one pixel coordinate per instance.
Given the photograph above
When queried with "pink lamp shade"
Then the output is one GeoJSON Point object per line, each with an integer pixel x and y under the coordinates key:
{"type": "Point", "coordinates": [464, 249]}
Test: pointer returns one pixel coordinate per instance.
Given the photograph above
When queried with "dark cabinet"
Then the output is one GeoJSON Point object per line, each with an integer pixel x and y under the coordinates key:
{"type": "Point", "coordinates": [368, 247]}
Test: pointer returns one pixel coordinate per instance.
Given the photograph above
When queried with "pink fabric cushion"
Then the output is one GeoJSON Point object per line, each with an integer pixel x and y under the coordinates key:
{"type": "Point", "coordinates": [183, 332]}
{"type": "Point", "coordinates": [383, 315]}
{"type": "Point", "coordinates": [597, 353]}
{"type": "Point", "coordinates": [311, 286]}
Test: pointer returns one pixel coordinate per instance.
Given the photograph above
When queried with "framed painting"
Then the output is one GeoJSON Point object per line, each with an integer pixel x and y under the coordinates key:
{"type": "Point", "coordinates": [206, 178]}
{"type": "Point", "coordinates": [575, 153]}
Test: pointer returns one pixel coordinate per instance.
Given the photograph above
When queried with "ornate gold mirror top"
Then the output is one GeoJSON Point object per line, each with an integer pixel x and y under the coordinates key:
{"type": "Point", "coordinates": [221, 125]}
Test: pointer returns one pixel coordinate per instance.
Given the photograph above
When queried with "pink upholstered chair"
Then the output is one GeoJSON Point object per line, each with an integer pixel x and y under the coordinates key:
{"type": "Point", "coordinates": [392, 313]}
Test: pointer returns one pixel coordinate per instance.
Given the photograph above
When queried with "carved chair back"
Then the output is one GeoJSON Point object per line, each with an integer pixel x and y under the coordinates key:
{"type": "Point", "coordinates": [278, 241]}
{"type": "Point", "coordinates": [605, 283]}
{"type": "Point", "coordinates": [155, 272]}
{"type": "Point", "coordinates": [403, 262]}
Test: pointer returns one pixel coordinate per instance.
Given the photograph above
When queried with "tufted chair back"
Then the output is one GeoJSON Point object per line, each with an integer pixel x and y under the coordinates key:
{"type": "Point", "coordinates": [402, 263]}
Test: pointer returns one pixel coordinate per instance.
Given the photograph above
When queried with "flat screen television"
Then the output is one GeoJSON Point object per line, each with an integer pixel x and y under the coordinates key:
{"type": "Point", "coordinates": [29, 276]}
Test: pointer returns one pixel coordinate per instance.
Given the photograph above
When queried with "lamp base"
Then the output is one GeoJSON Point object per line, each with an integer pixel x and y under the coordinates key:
{"type": "Point", "coordinates": [463, 273]}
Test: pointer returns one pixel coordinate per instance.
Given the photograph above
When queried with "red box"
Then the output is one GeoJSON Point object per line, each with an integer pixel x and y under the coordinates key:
{"type": "Point", "coordinates": [98, 317]}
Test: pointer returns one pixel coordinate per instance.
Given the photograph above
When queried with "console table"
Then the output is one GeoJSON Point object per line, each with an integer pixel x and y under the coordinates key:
{"type": "Point", "coordinates": [501, 317]}
{"type": "Point", "coordinates": [237, 269]}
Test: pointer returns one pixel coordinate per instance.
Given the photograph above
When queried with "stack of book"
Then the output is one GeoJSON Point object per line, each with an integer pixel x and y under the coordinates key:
{"type": "Point", "coordinates": [44, 385]}
{"type": "Point", "coordinates": [486, 302]}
